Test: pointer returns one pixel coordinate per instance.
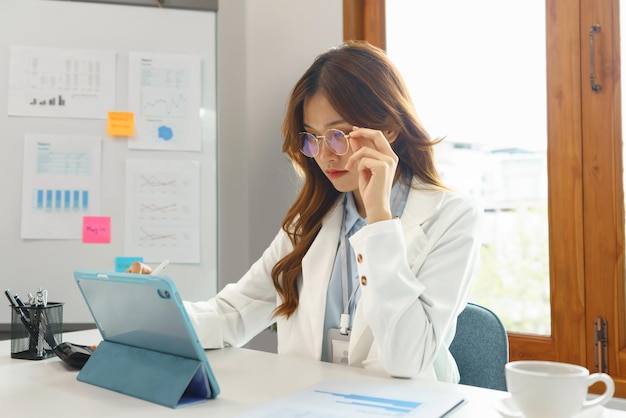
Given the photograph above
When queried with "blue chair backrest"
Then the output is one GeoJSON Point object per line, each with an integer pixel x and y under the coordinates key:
{"type": "Point", "coordinates": [480, 348]}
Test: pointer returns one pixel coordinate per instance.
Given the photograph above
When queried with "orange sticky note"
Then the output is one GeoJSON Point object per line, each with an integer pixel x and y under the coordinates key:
{"type": "Point", "coordinates": [121, 124]}
{"type": "Point", "coordinates": [96, 229]}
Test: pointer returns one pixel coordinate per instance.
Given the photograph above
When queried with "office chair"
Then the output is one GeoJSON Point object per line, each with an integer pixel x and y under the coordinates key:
{"type": "Point", "coordinates": [480, 348]}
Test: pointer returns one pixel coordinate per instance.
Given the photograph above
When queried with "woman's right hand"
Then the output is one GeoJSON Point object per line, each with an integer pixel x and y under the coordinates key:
{"type": "Point", "coordinates": [139, 268]}
{"type": "Point", "coordinates": [377, 163]}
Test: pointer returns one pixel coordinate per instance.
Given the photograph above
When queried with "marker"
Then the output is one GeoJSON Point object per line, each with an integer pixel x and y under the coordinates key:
{"type": "Point", "coordinates": [160, 268]}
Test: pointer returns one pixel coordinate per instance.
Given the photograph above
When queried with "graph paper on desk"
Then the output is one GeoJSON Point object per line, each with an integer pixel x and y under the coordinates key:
{"type": "Point", "coordinates": [342, 399]}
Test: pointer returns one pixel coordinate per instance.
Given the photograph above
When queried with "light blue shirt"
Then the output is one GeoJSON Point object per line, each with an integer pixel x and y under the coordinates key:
{"type": "Point", "coordinates": [353, 222]}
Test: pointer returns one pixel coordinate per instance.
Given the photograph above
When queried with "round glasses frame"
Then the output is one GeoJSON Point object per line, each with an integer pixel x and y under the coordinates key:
{"type": "Point", "coordinates": [335, 140]}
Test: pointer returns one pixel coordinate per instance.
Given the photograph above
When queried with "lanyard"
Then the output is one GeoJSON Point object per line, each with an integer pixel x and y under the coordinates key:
{"type": "Point", "coordinates": [344, 320]}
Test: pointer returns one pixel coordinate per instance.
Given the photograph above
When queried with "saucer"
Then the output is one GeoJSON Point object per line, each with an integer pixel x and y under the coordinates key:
{"type": "Point", "coordinates": [507, 409]}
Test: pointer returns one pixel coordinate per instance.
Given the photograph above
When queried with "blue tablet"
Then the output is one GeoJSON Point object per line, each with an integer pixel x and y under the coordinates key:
{"type": "Point", "coordinates": [150, 349]}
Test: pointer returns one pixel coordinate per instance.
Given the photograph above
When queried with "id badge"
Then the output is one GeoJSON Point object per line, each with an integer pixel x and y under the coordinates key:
{"type": "Point", "coordinates": [338, 345]}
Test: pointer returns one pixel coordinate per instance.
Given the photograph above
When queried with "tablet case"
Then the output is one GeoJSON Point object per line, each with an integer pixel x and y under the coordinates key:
{"type": "Point", "coordinates": [149, 349]}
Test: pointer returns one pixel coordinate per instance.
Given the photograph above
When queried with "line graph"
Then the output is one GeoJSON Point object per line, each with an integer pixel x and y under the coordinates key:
{"type": "Point", "coordinates": [155, 208]}
{"type": "Point", "coordinates": [159, 103]}
{"type": "Point", "coordinates": [162, 209]}
{"type": "Point", "coordinates": [149, 236]}
{"type": "Point", "coordinates": [164, 106]}
{"type": "Point", "coordinates": [166, 95]}
{"type": "Point", "coordinates": [162, 237]}
{"type": "Point", "coordinates": [159, 181]}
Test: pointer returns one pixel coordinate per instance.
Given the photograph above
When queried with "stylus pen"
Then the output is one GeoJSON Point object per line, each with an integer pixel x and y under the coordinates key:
{"type": "Point", "coordinates": [160, 268]}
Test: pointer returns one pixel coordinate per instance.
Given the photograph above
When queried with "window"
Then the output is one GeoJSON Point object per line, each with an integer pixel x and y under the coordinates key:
{"type": "Point", "coordinates": [585, 193]}
{"type": "Point", "coordinates": [490, 108]}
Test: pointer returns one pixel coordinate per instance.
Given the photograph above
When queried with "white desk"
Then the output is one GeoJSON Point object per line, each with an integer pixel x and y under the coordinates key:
{"type": "Point", "coordinates": [247, 378]}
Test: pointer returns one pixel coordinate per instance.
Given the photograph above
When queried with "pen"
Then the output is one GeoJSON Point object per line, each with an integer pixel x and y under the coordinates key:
{"type": "Point", "coordinates": [160, 268]}
{"type": "Point", "coordinates": [19, 311]}
{"type": "Point", "coordinates": [21, 304]}
{"type": "Point", "coordinates": [15, 303]}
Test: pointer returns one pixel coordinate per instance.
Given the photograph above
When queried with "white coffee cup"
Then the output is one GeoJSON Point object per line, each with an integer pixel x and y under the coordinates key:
{"type": "Point", "coordinates": [553, 389]}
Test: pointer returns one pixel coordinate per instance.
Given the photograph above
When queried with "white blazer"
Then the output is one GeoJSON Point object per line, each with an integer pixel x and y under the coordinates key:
{"type": "Point", "coordinates": [416, 274]}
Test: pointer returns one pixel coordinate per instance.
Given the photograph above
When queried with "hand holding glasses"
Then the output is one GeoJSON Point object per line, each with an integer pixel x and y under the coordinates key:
{"type": "Point", "coordinates": [335, 140]}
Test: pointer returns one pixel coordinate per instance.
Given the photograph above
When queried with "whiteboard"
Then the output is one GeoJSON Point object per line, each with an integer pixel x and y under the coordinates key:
{"type": "Point", "coordinates": [27, 265]}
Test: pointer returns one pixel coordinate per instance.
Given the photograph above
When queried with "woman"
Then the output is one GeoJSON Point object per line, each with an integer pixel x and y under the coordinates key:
{"type": "Point", "coordinates": [375, 257]}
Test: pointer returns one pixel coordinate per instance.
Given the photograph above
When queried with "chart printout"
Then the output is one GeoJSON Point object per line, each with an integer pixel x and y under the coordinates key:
{"type": "Point", "coordinates": [164, 92]}
{"type": "Point", "coordinates": [339, 399]}
{"type": "Point", "coordinates": [62, 83]}
{"type": "Point", "coordinates": [60, 185]}
{"type": "Point", "coordinates": [162, 210]}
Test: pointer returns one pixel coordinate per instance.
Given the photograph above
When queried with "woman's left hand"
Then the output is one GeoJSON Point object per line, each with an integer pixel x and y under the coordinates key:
{"type": "Point", "coordinates": [376, 163]}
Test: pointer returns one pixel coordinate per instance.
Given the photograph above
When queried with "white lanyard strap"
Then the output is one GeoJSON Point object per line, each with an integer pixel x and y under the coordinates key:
{"type": "Point", "coordinates": [344, 320]}
{"type": "Point", "coordinates": [345, 278]}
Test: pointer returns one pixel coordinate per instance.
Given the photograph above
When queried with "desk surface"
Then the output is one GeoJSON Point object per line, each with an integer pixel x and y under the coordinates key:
{"type": "Point", "coordinates": [247, 379]}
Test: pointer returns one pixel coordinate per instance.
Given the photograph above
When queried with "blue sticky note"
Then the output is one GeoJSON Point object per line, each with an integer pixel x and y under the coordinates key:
{"type": "Point", "coordinates": [123, 263]}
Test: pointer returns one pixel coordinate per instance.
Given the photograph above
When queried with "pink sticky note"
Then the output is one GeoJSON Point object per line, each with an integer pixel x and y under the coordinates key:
{"type": "Point", "coordinates": [96, 229]}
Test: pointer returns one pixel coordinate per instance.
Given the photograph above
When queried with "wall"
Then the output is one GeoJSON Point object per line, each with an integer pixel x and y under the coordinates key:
{"type": "Point", "coordinates": [29, 264]}
{"type": "Point", "coordinates": [263, 48]}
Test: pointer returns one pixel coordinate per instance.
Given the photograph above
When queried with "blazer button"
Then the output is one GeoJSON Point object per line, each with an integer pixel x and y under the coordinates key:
{"type": "Point", "coordinates": [363, 280]}
{"type": "Point", "coordinates": [359, 258]}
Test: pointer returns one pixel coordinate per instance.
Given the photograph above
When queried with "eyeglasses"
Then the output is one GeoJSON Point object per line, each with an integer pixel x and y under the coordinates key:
{"type": "Point", "coordinates": [335, 140]}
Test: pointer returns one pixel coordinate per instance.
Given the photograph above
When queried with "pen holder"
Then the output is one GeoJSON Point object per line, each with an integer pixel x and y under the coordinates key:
{"type": "Point", "coordinates": [36, 330]}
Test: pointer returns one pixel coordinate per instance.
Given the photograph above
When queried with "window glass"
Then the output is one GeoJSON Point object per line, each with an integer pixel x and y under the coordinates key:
{"type": "Point", "coordinates": [477, 73]}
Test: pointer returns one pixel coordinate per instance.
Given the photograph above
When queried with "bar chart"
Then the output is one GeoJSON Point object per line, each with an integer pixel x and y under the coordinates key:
{"type": "Point", "coordinates": [55, 82]}
{"type": "Point", "coordinates": [60, 185]}
{"type": "Point", "coordinates": [57, 199]}
{"type": "Point", "coordinates": [52, 101]}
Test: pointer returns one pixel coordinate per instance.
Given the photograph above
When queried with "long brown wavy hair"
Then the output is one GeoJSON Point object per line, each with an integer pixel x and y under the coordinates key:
{"type": "Point", "coordinates": [366, 89]}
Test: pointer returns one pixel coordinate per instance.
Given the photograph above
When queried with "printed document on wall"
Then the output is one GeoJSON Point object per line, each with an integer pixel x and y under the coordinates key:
{"type": "Point", "coordinates": [164, 92]}
{"type": "Point", "coordinates": [61, 83]}
{"type": "Point", "coordinates": [60, 185]}
{"type": "Point", "coordinates": [162, 210]}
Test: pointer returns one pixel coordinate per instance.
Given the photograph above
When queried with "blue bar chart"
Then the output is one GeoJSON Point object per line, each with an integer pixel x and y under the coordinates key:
{"type": "Point", "coordinates": [61, 200]}
{"type": "Point", "coordinates": [60, 186]}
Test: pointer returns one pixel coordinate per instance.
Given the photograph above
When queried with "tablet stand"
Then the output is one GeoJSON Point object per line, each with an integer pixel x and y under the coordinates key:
{"type": "Point", "coordinates": [157, 377]}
